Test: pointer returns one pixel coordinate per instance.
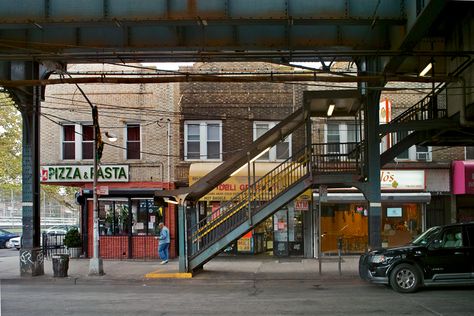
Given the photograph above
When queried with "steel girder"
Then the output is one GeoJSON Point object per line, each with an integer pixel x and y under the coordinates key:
{"type": "Point", "coordinates": [137, 30]}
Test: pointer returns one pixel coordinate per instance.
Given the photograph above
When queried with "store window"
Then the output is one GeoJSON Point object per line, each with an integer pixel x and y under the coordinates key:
{"type": "Point", "coordinates": [203, 140]}
{"type": "Point", "coordinates": [146, 217]}
{"type": "Point", "coordinates": [133, 141]}
{"type": "Point", "coordinates": [280, 151]}
{"type": "Point", "coordinates": [113, 218]}
{"type": "Point", "coordinates": [401, 223]}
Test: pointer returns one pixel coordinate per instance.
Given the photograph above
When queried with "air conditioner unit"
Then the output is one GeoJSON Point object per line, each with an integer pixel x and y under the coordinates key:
{"type": "Point", "coordinates": [423, 156]}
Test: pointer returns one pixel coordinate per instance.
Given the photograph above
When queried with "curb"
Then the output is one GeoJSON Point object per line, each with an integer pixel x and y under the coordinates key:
{"type": "Point", "coordinates": [166, 275]}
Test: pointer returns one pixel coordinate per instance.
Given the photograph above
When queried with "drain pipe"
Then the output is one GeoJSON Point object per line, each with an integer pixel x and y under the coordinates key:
{"type": "Point", "coordinates": [462, 114]}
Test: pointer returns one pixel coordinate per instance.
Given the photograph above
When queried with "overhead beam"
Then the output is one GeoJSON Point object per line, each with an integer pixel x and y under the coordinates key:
{"type": "Point", "coordinates": [311, 77]}
{"type": "Point", "coordinates": [417, 30]}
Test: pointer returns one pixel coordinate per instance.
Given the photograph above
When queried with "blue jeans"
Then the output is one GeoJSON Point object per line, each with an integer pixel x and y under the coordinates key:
{"type": "Point", "coordinates": [163, 251]}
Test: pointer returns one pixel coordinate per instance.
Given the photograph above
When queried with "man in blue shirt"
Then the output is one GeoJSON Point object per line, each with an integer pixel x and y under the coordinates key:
{"type": "Point", "coordinates": [163, 243]}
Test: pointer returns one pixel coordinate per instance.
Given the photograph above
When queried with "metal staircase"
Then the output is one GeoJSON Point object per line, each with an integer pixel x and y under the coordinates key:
{"type": "Point", "coordinates": [246, 210]}
{"type": "Point", "coordinates": [420, 123]}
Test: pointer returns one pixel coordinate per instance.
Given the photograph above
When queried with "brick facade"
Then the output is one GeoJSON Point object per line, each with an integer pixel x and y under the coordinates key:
{"type": "Point", "coordinates": [155, 108]}
{"type": "Point", "coordinates": [238, 106]}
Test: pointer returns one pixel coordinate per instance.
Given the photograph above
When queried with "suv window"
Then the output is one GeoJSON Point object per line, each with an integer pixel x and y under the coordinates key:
{"type": "Point", "coordinates": [470, 234]}
{"type": "Point", "coordinates": [452, 238]}
{"type": "Point", "coordinates": [427, 236]}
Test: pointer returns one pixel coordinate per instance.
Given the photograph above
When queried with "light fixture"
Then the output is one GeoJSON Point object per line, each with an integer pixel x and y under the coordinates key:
{"type": "Point", "coordinates": [426, 69]}
{"type": "Point", "coordinates": [170, 200]}
{"type": "Point", "coordinates": [253, 159]}
{"type": "Point", "coordinates": [111, 136]}
{"type": "Point", "coordinates": [331, 108]}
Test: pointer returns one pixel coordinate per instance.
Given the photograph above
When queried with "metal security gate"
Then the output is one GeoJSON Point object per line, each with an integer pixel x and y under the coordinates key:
{"type": "Point", "coordinates": [52, 244]}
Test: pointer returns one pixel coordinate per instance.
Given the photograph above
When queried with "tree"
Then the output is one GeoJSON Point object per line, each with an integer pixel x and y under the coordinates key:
{"type": "Point", "coordinates": [10, 144]}
{"type": "Point", "coordinates": [11, 150]}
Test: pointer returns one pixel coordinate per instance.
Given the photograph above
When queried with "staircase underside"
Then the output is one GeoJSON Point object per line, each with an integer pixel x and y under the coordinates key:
{"type": "Point", "coordinates": [258, 216]}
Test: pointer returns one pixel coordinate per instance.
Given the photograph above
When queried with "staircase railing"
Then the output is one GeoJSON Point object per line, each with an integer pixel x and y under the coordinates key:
{"type": "Point", "coordinates": [247, 203]}
{"type": "Point", "coordinates": [338, 157]}
{"type": "Point", "coordinates": [433, 106]}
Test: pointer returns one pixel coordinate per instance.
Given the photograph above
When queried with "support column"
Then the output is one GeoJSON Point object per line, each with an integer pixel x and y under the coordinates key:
{"type": "Point", "coordinates": [182, 238]}
{"type": "Point", "coordinates": [28, 100]}
{"type": "Point", "coordinates": [372, 190]}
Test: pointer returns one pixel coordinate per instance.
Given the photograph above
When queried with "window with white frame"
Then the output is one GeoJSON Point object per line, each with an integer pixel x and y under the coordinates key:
{"type": "Point", "coordinates": [341, 136]}
{"type": "Point", "coordinates": [87, 142]}
{"type": "Point", "coordinates": [203, 140]}
{"type": "Point", "coordinates": [133, 141]}
{"type": "Point", "coordinates": [469, 152]}
{"type": "Point", "coordinates": [413, 153]}
{"type": "Point", "coordinates": [280, 151]}
{"type": "Point", "coordinates": [77, 142]}
{"type": "Point", "coordinates": [69, 142]}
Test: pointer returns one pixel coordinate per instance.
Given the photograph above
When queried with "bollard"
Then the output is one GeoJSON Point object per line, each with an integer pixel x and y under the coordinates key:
{"type": "Point", "coordinates": [339, 252]}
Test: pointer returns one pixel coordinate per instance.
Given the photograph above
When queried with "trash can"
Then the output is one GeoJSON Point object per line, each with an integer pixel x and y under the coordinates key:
{"type": "Point", "coordinates": [60, 265]}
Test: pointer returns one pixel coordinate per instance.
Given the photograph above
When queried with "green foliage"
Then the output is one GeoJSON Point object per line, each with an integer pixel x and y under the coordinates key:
{"type": "Point", "coordinates": [10, 144]}
{"type": "Point", "coordinates": [73, 238]}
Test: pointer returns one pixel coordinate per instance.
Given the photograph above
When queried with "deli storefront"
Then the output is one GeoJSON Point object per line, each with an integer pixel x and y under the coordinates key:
{"type": "Point", "coordinates": [344, 215]}
{"type": "Point", "coordinates": [280, 235]}
{"type": "Point", "coordinates": [128, 218]}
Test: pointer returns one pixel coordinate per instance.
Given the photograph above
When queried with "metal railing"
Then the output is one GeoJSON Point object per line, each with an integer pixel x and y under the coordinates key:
{"type": "Point", "coordinates": [52, 244]}
{"type": "Point", "coordinates": [247, 203]}
{"type": "Point", "coordinates": [337, 157]}
{"type": "Point", "coordinates": [433, 106]}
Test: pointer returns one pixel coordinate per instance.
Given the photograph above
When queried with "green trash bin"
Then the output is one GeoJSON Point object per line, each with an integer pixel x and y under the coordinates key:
{"type": "Point", "coordinates": [60, 265]}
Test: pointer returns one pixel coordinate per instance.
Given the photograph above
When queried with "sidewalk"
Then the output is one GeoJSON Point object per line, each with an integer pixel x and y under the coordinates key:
{"type": "Point", "coordinates": [222, 268]}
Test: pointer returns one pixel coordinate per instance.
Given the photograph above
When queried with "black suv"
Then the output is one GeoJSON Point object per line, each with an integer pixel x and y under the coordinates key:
{"type": "Point", "coordinates": [440, 256]}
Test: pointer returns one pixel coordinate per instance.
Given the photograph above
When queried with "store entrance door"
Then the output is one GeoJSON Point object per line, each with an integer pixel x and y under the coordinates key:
{"type": "Point", "coordinates": [288, 233]}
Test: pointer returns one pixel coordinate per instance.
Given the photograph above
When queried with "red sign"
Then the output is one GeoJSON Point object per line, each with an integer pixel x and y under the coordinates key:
{"type": "Point", "coordinates": [469, 174]}
{"type": "Point", "coordinates": [102, 190]}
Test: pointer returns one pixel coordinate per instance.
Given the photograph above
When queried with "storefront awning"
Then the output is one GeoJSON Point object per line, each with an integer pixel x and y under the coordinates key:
{"type": "Point", "coordinates": [418, 197]}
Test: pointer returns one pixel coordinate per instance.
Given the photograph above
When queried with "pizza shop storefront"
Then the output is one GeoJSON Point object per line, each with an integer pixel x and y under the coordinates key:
{"type": "Point", "coordinates": [128, 218]}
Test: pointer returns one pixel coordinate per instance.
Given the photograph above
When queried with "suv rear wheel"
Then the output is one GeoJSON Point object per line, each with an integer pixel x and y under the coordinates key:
{"type": "Point", "coordinates": [405, 278]}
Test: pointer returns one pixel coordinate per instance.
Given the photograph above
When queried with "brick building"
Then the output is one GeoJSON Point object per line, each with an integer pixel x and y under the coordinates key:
{"type": "Point", "coordinates": [144, 119]}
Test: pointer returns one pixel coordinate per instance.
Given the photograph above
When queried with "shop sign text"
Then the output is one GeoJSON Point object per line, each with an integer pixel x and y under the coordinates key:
{"type": "Point", "coordinates": [84, 173]}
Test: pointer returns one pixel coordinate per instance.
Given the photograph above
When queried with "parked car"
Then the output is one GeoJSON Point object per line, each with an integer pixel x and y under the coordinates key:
{"type": "Point", "coordinates": [5, 236]}
{"type": "Point", "coordinates": [14, 243]}
{"type": "Point", "coordinates": [59, 229]}
{"type": "Point", "coordinates": [443, 255]}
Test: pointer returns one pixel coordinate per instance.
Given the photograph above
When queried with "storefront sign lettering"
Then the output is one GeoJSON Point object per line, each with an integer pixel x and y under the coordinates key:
{"type": "Point", "coordinates": [84, 173]}
{"type": "Point", "coordinates": [402, 179]}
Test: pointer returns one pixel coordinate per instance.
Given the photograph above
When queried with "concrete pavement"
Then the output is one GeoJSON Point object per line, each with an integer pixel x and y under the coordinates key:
{"type": "Point", "coordinates": [221, 267]}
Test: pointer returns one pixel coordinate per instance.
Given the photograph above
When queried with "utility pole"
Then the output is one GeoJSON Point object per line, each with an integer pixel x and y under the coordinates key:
{"type": "Point", "coordinates": [96, 266]}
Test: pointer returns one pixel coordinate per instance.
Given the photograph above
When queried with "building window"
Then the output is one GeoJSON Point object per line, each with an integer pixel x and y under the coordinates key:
{"type": "Point", "coordinates": [281, 151]}
{"type": "Point", "coordinates": [69, 142]}
{"type": "Point", "coordinates": [87, 141]}
{"type": "Point", "coordinates": [203, 140]}
{"type": "Point", "coordinates": [469, 153]}
{"type": "Point", "coordinates": [77, 142]}
{"type": "Point", "coordinates": [113, 218]}
{"type": "Point", "coordinates": [133, 141]}
{"type": "Point", "coordinates": [145, 217]}
{"type": "Point", "coordinates": [342, 137]}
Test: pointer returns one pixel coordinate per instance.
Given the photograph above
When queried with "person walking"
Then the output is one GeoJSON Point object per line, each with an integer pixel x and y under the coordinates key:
{"type": "Point", "coordinates": [163, 243]}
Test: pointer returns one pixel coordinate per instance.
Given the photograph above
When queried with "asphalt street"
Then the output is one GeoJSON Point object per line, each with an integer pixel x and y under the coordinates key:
{"type": "Point", "coordinates": [233, 297]}
{"type": "Point", "coordinates": [227, 286]}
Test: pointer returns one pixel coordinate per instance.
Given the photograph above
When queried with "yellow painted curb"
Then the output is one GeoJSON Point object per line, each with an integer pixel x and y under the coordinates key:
{"type": "Point", "coordinates": [161, 275]}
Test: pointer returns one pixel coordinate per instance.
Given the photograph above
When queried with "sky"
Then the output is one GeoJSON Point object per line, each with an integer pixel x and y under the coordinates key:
{"type": "Point", "coordinates": [175, 66]}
